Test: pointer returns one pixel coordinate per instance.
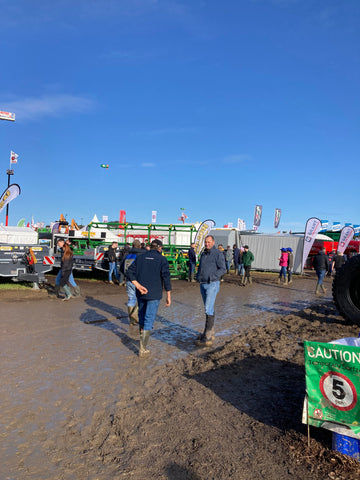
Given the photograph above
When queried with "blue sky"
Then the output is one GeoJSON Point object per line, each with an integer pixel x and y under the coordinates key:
{"type": "Point", "coordinates": [212, 106]}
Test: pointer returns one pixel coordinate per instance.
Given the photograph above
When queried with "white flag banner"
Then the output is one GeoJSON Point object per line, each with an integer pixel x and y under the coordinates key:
{"type": "Point", "coordinates": [312, 228]}
{"type": "Point", "coordinates": [153, 216]}
{"type": "Point", "coordinates": [201, 234]}
{"type": "Point", "coordinates": [346, 235]}
{"type": "Point", "coordinates": [10, 193]}
{"type": "Point", "coordinates": [13, 157]}
{"type": "Point", "coordinates": [241, 224]}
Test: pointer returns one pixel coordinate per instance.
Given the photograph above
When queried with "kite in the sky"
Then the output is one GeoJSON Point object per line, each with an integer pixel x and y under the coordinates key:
{"type": "Point", "coordinates": [103, 165]}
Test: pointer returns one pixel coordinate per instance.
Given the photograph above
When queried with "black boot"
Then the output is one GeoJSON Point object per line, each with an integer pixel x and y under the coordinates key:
{"type": "Point", "coordinates": [208, 337]}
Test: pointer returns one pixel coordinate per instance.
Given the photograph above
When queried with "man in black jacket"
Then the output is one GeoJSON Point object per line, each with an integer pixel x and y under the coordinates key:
{"type": "Point", "coordinates": [211, 269]}
{"type": "Point", "coordinates": [129, 258]}
{"type": "Point", "coordinates": [192, 262]}
{"type": "Point", "coordinates": [321, 265]}
{"type": "Point", "coordinates": [112, 262]}
{"type": "Point", "coordinates": [149, 273]}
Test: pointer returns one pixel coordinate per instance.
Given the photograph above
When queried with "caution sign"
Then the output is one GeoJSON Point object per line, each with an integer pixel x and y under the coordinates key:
{"type": "Point", "coordinates": [333, 386]}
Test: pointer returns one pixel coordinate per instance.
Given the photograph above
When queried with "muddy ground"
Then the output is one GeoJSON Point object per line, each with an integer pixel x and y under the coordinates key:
{"type": "Point", "coordinates": [78, 403]}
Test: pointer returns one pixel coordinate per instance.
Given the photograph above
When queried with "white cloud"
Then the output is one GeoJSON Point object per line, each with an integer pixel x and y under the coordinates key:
{"type": "Point", "coordinates": [239, 158]}
{"type": "Point", "coordinates": [48, 106]}
{"type": "Point", "coordinates": [148, 165]}
{"type": "Point", "coordinates": [166, 131]}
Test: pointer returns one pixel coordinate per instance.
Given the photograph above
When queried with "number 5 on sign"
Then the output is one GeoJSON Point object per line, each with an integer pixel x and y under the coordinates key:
{"type": "Point", "coordinates": [339, 390]}
{"type": "Point", "coordinates": [333, 384]}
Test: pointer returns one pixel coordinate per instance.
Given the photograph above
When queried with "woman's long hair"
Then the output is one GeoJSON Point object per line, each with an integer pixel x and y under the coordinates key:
{"type": "Point", "coordinates": [68, 253]}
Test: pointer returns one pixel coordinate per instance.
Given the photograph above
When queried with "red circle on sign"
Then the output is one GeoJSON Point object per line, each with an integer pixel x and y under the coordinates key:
{"type": "Point", "coordinates": [349, 384]}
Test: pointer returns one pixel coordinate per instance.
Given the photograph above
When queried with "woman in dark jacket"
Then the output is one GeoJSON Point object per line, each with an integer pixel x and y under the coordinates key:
{"type": "Point", "coordinates": [66, 269]}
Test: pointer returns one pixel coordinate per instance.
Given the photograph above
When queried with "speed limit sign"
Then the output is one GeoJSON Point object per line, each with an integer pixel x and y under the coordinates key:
{"type": "Point", "coordinates": [339, 390]}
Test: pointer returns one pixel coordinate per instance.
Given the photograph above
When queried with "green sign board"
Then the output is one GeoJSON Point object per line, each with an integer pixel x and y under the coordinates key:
{"type": "Point", "coordinates": [333, 385]}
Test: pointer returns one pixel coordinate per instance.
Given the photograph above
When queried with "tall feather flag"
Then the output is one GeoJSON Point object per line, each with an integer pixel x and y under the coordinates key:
{"type": "Point", "coordinates": [9, 194]}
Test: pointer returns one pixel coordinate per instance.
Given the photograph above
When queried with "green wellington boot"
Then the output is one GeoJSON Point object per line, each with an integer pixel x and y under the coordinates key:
{"type": "Point", "coordinates": [144, 338]}
{"type": "Point", "coordinates": [67, 292]}
{"type": "Point", "coordinates": [133, 315]}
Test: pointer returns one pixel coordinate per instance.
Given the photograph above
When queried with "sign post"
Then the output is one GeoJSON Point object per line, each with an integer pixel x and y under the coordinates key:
{"type": "Point", "coordinates": [10, 117]}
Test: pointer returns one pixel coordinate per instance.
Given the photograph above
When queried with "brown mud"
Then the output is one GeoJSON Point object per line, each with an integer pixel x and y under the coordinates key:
{"type": "Point", "coordinates": [78, 403]}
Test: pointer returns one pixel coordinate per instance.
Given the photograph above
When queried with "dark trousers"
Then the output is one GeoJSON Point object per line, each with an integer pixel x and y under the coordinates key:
{"type": "Point", "coordinates": [247, 271]}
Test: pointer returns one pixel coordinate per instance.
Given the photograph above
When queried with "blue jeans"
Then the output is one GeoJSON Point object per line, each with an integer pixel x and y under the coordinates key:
{"type": "Point", "coordinates": [227, 264]}
{"type": "Point", "coordinates": [208, 292]}
{"type": "Point", "coordinates": [321, 275]}
{"type": "Point", "coordinates": [131, 292]}
{"type": "Point", "coordinates": [283, 271]}
{"type": "Point", "coordinates": [112, 268]}
{"type": "Point", "coordinates": [147, 313]}
{"type": "Point", "coordinates": [71, 279]}
{"type": "Point", "coordinates": [191, 267]}
{"type": "Point", "coordinates": [241, 269]}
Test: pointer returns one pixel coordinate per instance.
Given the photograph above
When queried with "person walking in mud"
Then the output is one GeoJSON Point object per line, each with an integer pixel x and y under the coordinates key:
{"type": "Point", "coordinates": [66, 270]}
{"type": "Point", "coordinates": [149, 273]}
{"type": "Point", "coordinates": [61, 247]}
{"type": "Point", "coordinates": [338, 261]}
{"type": "Point", "coordinates": [247, 259]}
{"type": "Point", "coordinates": [112, 263]}
{"type": "Point", "coordinates": [191, 262]}
{"type": "Point", "coordinates": [211, 268]}
{"type": "Point", "coordinates": [321, 265]}
{"type": "Point", "coordinates": [290, 264]}
{"type": "Point", "coordinates": [228, 258]}
{"type": "Point", "coordinates": [236, 259]}
{"type": "Point", "coordinates": [130, 287]}
{"type": "Point", "coordinates": [283, 263]}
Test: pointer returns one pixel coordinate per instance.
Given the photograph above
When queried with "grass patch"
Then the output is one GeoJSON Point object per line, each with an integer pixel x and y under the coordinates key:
{"type": "Point", "coordinates": [6, 284]}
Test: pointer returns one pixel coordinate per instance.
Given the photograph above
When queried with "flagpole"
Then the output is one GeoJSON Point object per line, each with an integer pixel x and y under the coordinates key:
{"type": "Point", "coordinates": [11, 117]}
{"type": "Point", "coordinates": [9, 173]}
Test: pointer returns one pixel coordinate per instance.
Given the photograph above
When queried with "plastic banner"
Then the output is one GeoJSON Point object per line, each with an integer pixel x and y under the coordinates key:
{"type": "Point", "coordinates": [324, 225]}
{"type": "Point", "coordinates": [333, 386]}
{"type": "Point", "coordinates": [257, 216]}
{"type": "Point", "coordinates": [336, 227]}
{"type": "Point", "coordinates": [201, 234]}
{"type": "Point", "coordinates": [153, 216]}
{"type": "Point", "coordinates": [241, 224]}
{"type": "Point", "coordinates": [277, 217]}
{"type": "Point", "coordinates": [346, 235]}
{"type": "Point", "coordinates": [312, 228]}
{"type": "Point", "coordinates": [10, 193]}
{"type": "Point", "coordinates": [7, 116]}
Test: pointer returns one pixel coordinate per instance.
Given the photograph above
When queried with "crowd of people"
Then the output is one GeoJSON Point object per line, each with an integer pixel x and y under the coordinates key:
{"type": "Point", "coordinates": [144, 270]}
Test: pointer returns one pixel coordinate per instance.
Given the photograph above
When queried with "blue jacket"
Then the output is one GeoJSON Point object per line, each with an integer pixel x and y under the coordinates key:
{"type": "Point", "coordinates": [151, 269]}
{"type": "Point", "coordinates": [212, 266]}
{"type": "Point", "coordinates": [192, 255]}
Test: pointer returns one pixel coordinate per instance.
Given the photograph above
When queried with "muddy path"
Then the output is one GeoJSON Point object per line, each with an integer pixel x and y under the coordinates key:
{"type": "Point", "coordinates": [77, 402]}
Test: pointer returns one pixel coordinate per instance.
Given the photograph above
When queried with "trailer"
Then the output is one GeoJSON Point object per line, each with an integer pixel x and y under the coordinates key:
{"type": "Point", "coordinates": [16, 243]}
{"type": "Point", "coordinates": [176, 241]}
{"type": "Point", "coordinates": [91, 244]}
